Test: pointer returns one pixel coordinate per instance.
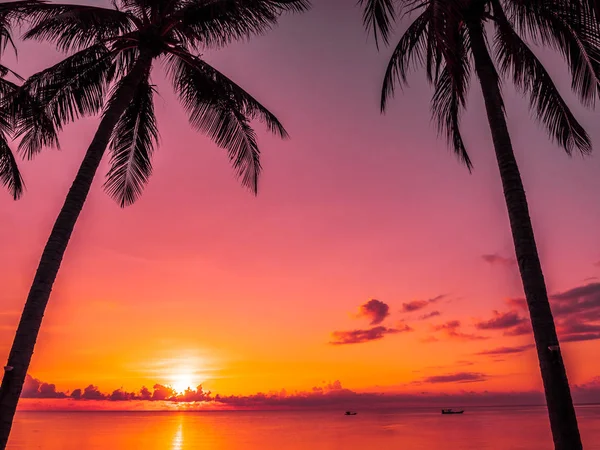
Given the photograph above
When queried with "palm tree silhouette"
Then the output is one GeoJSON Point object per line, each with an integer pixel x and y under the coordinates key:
{"type": "Point", "coordinates": [449, 38]}
{"type": "Point", "coordinates": [109, 72]}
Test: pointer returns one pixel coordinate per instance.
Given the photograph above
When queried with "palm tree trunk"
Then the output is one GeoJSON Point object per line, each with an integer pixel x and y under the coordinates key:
{"type": "Point", "coordinates": [33, 313]}
{"type": "Point", "coordinates": [563, 420]}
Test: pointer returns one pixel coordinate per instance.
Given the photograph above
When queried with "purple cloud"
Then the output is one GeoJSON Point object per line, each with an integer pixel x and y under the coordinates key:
{"type": "Point", "coordinates": [93, 393]}
{"type": "Point", "coordinates": [576, 313]}
{"type": "Point", "coordinates": [519, 330]}
{"type": "Point", "coordinates": [450, 325]}
{"type": "Point", "coordinates": [580, 337]}
{"type": "Point", "coordinates": [460, 377]}
{"type": "Point", "coordinates": [452, 330]}
{"type": "Point", "coordinates": [361, 336]}
{"type": "Point", "coordinates": [375, 310]}
{"type": "Point", "coordinates": [416, 305]}
{"type": "Point", "coordinates": [506, 350]}
{"type": "Point", "coordinates": [430, 315]}
{"type": "Point", "coordinates": [34, 388]}
{"type": "Point", "coordinates": [495, 259]}
{"type": "Point", "coordinates": [501, 321]}
{"type": "Point", "coordinates": [76, 394]}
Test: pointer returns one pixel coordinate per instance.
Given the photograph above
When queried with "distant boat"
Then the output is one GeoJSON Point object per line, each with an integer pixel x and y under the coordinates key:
{"type": "Point", "coordinates": [350, 413]}
{"type": "Point", "coordinates": [451, 411]}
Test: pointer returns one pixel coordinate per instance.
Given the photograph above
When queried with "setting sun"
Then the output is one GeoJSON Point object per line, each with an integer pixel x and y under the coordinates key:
{"type": "Point", "coordinates": [182, 381]}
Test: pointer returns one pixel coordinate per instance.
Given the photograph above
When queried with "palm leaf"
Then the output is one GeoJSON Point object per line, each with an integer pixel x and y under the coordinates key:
{"type": "Point", "coordinates": [410, 50]}
{"type": "Point", "coordinates": [528, 74]}
{"type": "Point", "coordinates": [74, 27]}
{"type": "Point", "coordinates": [206, 81]}
{"type": "Point", "coordinates": [10, 177]}
{"type": "Point", "coordinates": [73, 88]}
{"type": "Point", "coordinates": [378, 18]}
{"type": "Point", "coordinates": [133, 141]}
{"type": "Point", "coordinates": [567, 27]}
{"type": "Point", "coordinates": [219, 22]}
{"type": "Point", "coordinates": [15, 12]}
{"type": "Point", "coordinates": [222, 110]}
{"type": "Point", "coordinates": [446, 107]}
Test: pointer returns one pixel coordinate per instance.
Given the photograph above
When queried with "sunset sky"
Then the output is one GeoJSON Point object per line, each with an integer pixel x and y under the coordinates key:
{"type": "Point", "coordinates": [201, 283]}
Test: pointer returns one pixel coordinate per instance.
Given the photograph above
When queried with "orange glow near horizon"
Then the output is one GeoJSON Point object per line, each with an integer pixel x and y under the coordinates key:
{"type": "Point", "coordinates": [200, 283]}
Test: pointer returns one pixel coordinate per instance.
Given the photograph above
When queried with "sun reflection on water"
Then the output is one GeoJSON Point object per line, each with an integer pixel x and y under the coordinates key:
{"type": "Point", "coordinates": [178, 438]}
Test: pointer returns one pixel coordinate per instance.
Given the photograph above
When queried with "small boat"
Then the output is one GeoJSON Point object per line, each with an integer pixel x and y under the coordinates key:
{"type": "Point", "coordinates": [451, 411]}
{"type": "Point", "coordinates": [350, 413]}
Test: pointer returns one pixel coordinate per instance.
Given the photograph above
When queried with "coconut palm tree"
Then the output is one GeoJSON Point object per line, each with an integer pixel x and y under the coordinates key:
{"type": "Point", "coordinates": [450, 39]}
{"type": "Point", "coordinates": [10, 177]}
{"type": "Point", "coordinates": [112, 55]}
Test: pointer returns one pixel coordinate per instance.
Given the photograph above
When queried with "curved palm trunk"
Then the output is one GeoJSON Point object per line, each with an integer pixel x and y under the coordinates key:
{"type": "Point", "coordinates": [563, 420]}
{"type": "Point", "coordinates": [33, 313]}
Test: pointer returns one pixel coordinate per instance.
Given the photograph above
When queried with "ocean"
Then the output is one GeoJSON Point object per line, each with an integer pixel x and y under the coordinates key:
{"type": "Point", "coordinates": [514, 428]}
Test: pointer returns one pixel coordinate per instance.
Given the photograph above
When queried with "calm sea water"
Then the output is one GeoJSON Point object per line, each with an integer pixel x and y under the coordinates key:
{"type": "Point", "coordinates": [524, 428]}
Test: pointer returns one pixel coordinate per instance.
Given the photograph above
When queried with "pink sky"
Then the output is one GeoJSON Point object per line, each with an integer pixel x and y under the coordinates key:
{"type": "Point", "coordinates": [201, 282]}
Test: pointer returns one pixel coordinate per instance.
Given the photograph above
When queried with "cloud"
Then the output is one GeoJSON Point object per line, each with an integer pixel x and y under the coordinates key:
{"type": "Point", "coordinates": [430, 315]}
{"type": "Point", "coordinates": [417, 305]}
{"type": "Point", "coordinates": [576, 313]}
{"type": "Point", "coordinates": [34, 388]}
{"type": "Point", "coordinates": [326, 396]}
{"type": "Point", "coordinates": [581, 327]}
{"type": "Point", "coordinates": [375, 310]}
{"type": "Point", "coordinates": [451, 325]}
{"type": "Point", "coordinates": [120, 395]}
{"type": "Point", "coordinates": [76, 394]}
{"type": "Point", "coordinates": [452, 330]}
{"type": "Point", "coordinates": [580, 337]}
{"type": "Point", "coordinates": [501, 321]}
{"type": "Point", "coordinates": [506, 350]}
{"type": "Point", "coordinates": [496, 259]}
{"type": "Point", "coordinates": [414, 305]}
{"type": "Point", "coordinates": [361, 336]}
{"type": "Point", "coordinates": [93, 393]}
{"type": "Point", "coordinates": [460, 377]}
{"type": "Point", "coordinates": [519, 330]}
{"type": "Point", "coordinates": [597, 263]}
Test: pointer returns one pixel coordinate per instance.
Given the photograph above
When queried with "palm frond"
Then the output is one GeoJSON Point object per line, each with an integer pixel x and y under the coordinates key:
{"type": "Point", "coordinates": [219, 22]}
{"type": "Point", "coordinates": [12, 13]}
{"type": "Point", "coordinates": [16, 11]}
{"type": "Point", "coordinates": [447, 31]}
{"type": "Point", "coordinates": [569, 28]}
{"type": "Point", "coordinates": [446, 107]}
{"type": "Point", "coordinates": [4, 71]}
{"type": "Point", "coordinates": [378, 18]}
{"type": "Point", "coordinates": [7, 89]}
{"type": "Point", "coordinates": [528, 74]}
{"type": "Point", "coordinates": [222, 110]}
{"type": "Point", "coordinates": [411, 49]}
{"type": "Point", "coordinates": [199, 80]}
{"type": "Point", "coordinates": [10, 177]}
{"type": "Point", "coordinates": [74, 27]}
{"type": "Point", "coordinates": [132, 144]}
{"type": "Point", "coordinates": [73, 88]}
